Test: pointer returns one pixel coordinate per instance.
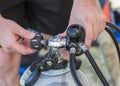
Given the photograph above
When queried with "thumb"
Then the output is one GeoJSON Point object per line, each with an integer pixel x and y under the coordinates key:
{"type": "Point", "coordinates": [24, 33]}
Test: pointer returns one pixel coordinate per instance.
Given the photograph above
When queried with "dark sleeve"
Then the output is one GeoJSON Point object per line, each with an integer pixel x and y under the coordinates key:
{"type": "Point", "coordinates": [14, 10]}
{"type": "Point", "coordinates": [49, 16]}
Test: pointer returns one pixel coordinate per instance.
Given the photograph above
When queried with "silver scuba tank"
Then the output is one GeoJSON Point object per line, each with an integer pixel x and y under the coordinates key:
{"type": "Point", "coordinates": [55, 77]}
{"type": "Point", "coordinates": [60, 77]}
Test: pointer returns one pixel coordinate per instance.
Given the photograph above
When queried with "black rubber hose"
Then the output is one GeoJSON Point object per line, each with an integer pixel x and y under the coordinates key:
{"type": "Point", "coordinates": [96, 68]}
{"type": "Point", "coordinates": [113, 26]}
{"type": "Point", "coordinates": [114, 40]}
{"type": "Point", "coordinates": [73, 69]}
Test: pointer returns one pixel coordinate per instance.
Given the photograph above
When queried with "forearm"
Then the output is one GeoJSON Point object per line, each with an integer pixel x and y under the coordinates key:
{"type": "Point", "coordinates": [9, 64]}
{"type": "Point", "coordinates": [80, 3]}
{"type": "Point", "coordinates": [83, 6]}
{"type": "Point", "coordinates": [9, 79]}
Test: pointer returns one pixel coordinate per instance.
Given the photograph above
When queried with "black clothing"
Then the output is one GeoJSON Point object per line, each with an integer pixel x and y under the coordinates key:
{"type": "Point", "coordinates": [47, 16]}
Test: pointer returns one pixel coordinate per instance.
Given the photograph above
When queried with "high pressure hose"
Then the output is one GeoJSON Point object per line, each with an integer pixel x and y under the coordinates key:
{"type": "Point", "coordinates": [112, 36]}
{"type": "Point", "coordinates": [94, 65]}
{"type": "Point", "coordinates": [73, 67]}
{"type": "Point", "coordinates": [113, 26]}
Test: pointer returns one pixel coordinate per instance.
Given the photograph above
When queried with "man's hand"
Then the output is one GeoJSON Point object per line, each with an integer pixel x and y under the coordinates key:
{"type": "Point", "coordinates": [12, 48]}
{"type": "Point", "coordinates": [10, 32]}
{"type": "Point", "coordinates": [88, 14]}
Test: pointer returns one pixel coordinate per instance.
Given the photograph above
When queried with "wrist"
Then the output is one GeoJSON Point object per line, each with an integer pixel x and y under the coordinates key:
{"type": "Point", "coordinates": [85, 2]}
{"type": "Point", "coordinates": [83, 5]}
